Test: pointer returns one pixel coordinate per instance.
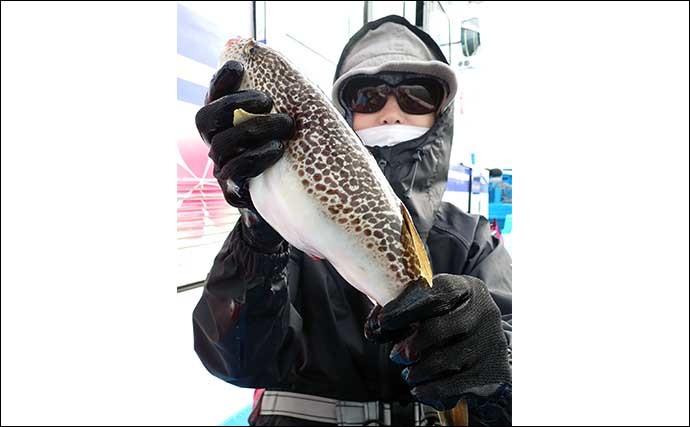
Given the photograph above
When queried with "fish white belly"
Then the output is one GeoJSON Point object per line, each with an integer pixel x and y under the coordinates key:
{"type": "Point", "coordinates": [280, 199]}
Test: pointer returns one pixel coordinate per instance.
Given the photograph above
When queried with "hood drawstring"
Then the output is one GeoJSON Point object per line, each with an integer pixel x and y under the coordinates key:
{"type": "Point", "coordinates": [417, 156]}
{"type": "Point", "coordinates": [382, 165]}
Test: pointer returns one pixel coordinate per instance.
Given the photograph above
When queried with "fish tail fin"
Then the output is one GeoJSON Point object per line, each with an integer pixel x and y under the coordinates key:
{"type": "Point", "coordinates": [458, 416]}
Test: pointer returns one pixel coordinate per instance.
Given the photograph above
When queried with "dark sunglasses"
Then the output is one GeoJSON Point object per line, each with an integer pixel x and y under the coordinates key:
{"type": "Point", "coordinates": [415, 95]}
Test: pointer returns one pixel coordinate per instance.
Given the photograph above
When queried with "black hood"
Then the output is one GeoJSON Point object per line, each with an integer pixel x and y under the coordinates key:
{"type": "Point", "coordinates": [416, 169]}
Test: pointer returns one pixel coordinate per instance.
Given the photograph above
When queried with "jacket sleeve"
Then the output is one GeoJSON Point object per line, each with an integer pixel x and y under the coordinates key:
{"type": "Point", "coordinates": [246, 331]}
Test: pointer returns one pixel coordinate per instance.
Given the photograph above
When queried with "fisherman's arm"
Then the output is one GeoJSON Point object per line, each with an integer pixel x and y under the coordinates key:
{"type": "Point", "coordinates": [489, 261]}
{"type": "Point", "coordinates": [245, 329]}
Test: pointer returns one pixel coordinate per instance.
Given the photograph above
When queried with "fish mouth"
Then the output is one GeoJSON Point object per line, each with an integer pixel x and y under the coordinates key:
{"type": "Point", "coordinates": [240, 50]}
{"type": "Point", "coordinates": [233, 41]}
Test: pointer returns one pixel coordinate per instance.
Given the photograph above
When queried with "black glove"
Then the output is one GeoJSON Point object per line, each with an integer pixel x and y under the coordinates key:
{"type": "Point", "coordinates": [449, 337]}
{"type": "Point", "coordinates": [243, 151]}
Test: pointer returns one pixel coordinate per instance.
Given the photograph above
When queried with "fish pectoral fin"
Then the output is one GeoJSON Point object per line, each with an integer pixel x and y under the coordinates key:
{"type": "Point", "coordinates": [240, 115]}
{"type": "Point", "coordinates": [411, 237]}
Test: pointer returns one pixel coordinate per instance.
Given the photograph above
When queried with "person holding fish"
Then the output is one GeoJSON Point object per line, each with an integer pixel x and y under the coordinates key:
{"type": "Point", "coordinates": [349, 293]}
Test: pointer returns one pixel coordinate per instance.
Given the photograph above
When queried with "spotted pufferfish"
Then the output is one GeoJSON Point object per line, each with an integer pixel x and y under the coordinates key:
{"type": "Point", "coordinates": [326, 195]}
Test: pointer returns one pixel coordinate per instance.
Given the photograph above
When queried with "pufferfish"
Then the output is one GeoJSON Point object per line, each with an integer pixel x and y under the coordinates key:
{"type": "Point", "coordinates": [326, 195]}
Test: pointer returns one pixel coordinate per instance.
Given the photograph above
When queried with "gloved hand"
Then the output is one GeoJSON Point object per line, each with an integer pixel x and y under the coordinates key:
{"type": "Point", "coordinates": [243, 151]}
{"type": "Point", "coordinates": [449, 337]}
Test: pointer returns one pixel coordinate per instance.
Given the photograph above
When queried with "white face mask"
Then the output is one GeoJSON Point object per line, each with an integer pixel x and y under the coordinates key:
{"type": "Point", "coordinates": [387, 135]}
